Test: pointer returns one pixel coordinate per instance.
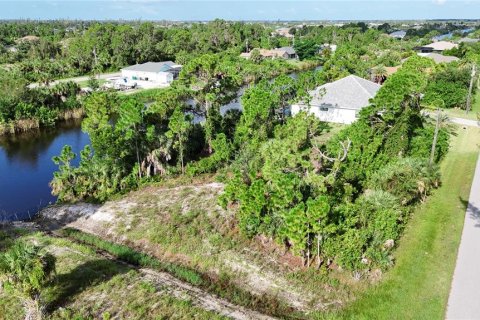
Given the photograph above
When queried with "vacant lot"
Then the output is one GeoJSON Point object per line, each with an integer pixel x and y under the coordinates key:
{"type": "Point", "coordinates": [89, 286]}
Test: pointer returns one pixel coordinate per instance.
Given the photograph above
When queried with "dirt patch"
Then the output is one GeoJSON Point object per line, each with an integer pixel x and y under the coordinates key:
{"type": "Point", "coordinates": [199, 297]}
{"type": "Point", "coordinates": [210, 243]}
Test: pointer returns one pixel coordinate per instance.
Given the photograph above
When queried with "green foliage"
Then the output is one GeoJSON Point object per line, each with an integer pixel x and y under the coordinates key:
{"type": "Point", "coordinates": [449, 85]}
{"type": "Point", "coordinates": [129, 255]}
{"type": "Point", "coordinates": [45, 105]}
{"type": "Point", "coordinates": [26, 268]}
{"type": "Point", "coordinates": [282, 177]}
{"type": "Point", "coordinates": [408, 179]}
{"type": "Point", "coordinates": [306, 49]}
{"type": "Point", "coordinates": [421, 144]}
{"type": "Point", "coordinates": [222, 151]}
{"type": "Point", "coordinates": [178, 126]}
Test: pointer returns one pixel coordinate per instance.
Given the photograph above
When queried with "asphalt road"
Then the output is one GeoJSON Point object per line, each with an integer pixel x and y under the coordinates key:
{"type": "Point", "coordinates": [464, 299]}
{"type": "Point", "coordinates": [465, 122]}
{"type": "Point", "coordinates": [80, 79]}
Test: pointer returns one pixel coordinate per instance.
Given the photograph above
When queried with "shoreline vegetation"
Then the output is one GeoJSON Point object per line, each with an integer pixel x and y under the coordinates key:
{"type": "Point", "coordinates": [26, 125]}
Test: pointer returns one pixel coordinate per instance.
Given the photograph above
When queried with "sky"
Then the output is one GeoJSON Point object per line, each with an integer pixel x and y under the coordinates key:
{"type": "Point", "coordinates": [240, 10]}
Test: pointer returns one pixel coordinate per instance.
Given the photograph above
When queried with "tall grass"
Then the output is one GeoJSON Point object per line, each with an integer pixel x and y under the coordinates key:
{"type": "Point", "coordinates": [222, 285]}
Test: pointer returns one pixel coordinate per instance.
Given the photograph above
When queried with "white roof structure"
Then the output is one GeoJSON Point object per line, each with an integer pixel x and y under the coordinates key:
{"type": "Point", "coordinates": [442, 45]}
{"type": "Point", "coordinates": [400, 34]}
{"type": "Point", "coordinates": [351, 92]}
{"type": "Point", "coordinates": [439, 58]}
{"type": "Point", "coordinates": [152, 67]}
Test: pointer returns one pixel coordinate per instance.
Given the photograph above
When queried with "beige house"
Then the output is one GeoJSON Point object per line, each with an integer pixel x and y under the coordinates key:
{"type": "Point", "coordinates": [437, 47]}
{"type": "Point", "coordinates": [283, 52]}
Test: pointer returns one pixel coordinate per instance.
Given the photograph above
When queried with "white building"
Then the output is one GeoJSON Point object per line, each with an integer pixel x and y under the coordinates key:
{"type": "Point", "coordinates": [339, 101]}
{"type": "Point", "coordinates": [150, 74]}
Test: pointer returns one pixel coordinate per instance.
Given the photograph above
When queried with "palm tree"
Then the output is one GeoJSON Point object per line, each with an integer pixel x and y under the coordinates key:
{"type": "Point", "coordinates": [442, 121]}
{"type": "Point", "coordinates": [379, 74]}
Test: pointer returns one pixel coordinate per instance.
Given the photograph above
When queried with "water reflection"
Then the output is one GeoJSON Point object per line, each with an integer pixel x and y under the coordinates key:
{"type": "Point", "coordinates": [26, 167]}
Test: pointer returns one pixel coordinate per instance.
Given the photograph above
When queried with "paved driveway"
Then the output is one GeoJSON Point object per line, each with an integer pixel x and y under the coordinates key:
{"type": "Point", "coordinates": [464, 300]}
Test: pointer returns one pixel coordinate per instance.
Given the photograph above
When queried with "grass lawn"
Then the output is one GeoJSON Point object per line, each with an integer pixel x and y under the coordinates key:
{"type": "Point", "coordinates": [460, 113]}
{"type": "Point", "coordinates": [88, 286]}
{"type": "Point", "coordinates": [418, 286]}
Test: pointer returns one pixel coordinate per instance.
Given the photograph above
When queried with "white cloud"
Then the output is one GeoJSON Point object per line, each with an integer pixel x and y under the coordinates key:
{"type": "Point", "coordinates": [439, 2]}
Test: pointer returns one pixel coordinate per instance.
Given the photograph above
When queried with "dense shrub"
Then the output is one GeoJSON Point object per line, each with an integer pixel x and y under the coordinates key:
{"type": "Point", "coordinates": [409, 179]}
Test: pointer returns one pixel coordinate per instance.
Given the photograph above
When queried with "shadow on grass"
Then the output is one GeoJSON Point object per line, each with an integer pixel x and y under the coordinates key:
{"type": "Point", "coordinates": [472, 210]}
{"type": "Point", "coordinates": [91, 273]}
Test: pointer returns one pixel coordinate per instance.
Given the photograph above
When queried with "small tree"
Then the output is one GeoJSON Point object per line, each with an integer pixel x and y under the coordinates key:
{"type": "Point", "coordinates": [25, 269]}
{"type": "Point", "coordinates": [179, 126]}
{"type": "Point", "coordinates": [93, 82]}
{"type": "Point", "coordinates": [255, 56]}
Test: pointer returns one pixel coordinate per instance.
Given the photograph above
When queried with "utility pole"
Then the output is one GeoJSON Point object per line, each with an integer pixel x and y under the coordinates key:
{"type": "Point", "coordinates": [95, 58]}
{"type": "Point", "coordinates": [470, 88]}
{"type": "Point", "coordinates": [435, 137]}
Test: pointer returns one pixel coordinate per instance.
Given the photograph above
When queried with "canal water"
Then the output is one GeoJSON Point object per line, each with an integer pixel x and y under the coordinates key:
{"type": "Point", "coordinates": [26, 167]}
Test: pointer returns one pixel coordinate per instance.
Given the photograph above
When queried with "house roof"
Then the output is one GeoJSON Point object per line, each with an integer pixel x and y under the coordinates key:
{"type": "Point", "coordinates": [398, 34]}
{"type": "Point", "coordinates": [28, 38]}
{"type": "Point", "coordinates": [152, 66]}
{"type": "Point", "coordinates": [469, 40]}
{"type": "Point", "coordinates": [391, 70]}
{"type": "Point", "coordinates": [388, 70]}
{"type": "Point", "coordinates": [442, 45]}
{"type": "Point", "coordinates": [351, 92]}
{"type": "Point", "coordinates": [288, 50]}
{"type": "Point", "coordinates": [439, 58]}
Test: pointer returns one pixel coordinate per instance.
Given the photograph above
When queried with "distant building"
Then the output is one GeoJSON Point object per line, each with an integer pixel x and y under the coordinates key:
{"type": "Point", "coordinates": [438, 47]}
{"type": "Point", "coordinates": [28, 39]}
{"type": "Point", "coordinates": [286, 52]}
{"type": "Point", "coordinates": [161, 73]}
{"type": "Point", "coordinates": [283, 52]}
{"type": "Point", "coordinates": [283, 32]}
{"type": "Point", "coordinates": [439, 58]}
{"type": "Point", "coordinates": [328, 46]}
{"type": "Point", "coordinates": [468, 40]}
{"type": "Point", "coordinates": [400, 34]}
{"type": "Point", "coordinates": [339, 101]}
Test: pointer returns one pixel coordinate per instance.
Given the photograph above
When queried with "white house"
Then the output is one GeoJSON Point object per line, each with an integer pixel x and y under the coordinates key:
{"type": "Point", "coordinates": [158, 73]}
{"type": "Point", "coordinates": [400, 34]}
{"type": "Point", "coordinates": [339, 101]}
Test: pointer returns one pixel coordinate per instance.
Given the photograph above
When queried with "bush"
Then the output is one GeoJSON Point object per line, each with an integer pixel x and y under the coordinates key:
{"type": "Point", "coordinates": [421, 143]}
{"type": "Point", "coordinates": [409, 179]}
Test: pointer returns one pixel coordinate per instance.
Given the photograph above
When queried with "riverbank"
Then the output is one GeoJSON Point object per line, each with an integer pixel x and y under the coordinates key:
{"type": "Point", "coordinates": [26, 166]}
{"type": "Point", "coordinates": [25, 125]}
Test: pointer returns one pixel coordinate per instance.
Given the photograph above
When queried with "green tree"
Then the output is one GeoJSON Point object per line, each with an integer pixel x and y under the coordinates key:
{"type": "Point", "coordinates": [306, 49]}
{"type": "Point", "coordinates": [179, 126]}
